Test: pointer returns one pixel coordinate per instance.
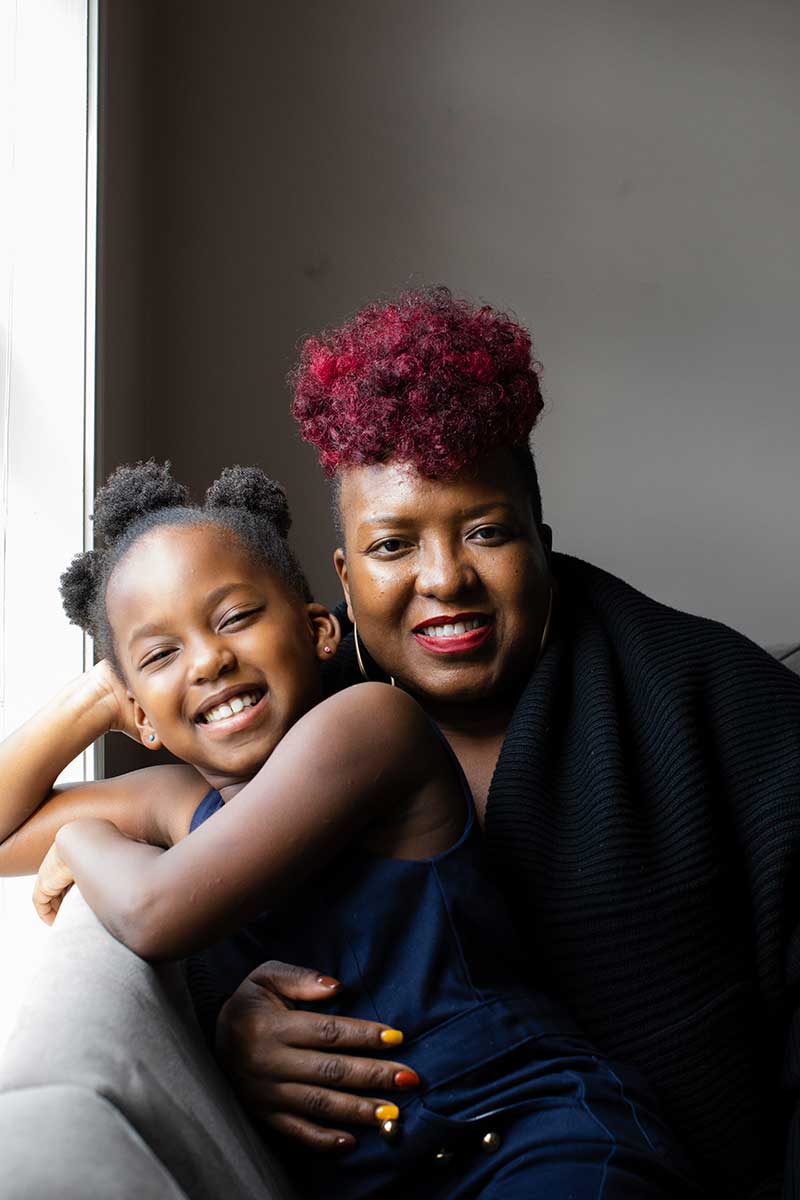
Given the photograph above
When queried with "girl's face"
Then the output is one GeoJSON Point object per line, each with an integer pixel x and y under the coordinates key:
{"type": "Point", "coordinates": [448, 580]}
{"type": "Point", "coordinates": [220, 656]}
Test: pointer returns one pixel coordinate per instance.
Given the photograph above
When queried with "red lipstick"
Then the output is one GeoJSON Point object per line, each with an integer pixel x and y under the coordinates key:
{"type": "Point", "coordinates": [454, 643]}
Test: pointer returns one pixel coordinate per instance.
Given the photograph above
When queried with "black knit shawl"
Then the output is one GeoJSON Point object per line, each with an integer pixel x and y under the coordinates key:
{"type": "Point", "coordinates": [644, 819]}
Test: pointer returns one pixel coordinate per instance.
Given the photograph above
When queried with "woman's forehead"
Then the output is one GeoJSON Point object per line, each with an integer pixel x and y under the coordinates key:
{"type": "Point", "coordinates": [369, 494]}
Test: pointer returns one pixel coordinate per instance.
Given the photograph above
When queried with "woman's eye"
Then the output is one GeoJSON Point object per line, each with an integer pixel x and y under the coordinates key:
{"type": "Point", "coordinates": [390, 546]}
{"type": "Point", "coordinates": [489, 533]}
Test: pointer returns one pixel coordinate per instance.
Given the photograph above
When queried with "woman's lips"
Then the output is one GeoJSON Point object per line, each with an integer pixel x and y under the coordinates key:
{"type": "Point", "coordinates": [456, 643]}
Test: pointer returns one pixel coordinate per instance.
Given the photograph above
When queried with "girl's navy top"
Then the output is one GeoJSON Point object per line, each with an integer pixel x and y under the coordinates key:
{"type": "Point", "coordinates": [414, 943]}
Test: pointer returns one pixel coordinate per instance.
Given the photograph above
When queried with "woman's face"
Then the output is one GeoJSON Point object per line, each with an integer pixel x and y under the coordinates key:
{"type": "Point", "coordinates": [220, 657]}
{"type": "Point", "coordinates": [448, 580]}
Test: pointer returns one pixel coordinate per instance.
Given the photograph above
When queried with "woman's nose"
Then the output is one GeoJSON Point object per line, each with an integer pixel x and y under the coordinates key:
{"type": "Point", "coordinates": [444, 573]}
{"type": "Point", "coordinates": [211, 658]}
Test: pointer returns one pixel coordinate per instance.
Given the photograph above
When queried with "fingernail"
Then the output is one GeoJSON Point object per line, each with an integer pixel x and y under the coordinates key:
{"type": "Point", "coordinates": [391, 1037]}
{"type": "Point", "coordinates": [406, 1079]}
{"type": "Point", "coordinates": [344, 1143]}
{"type": "Point", "coordinates": [387, 1112]}
{"type": "Point", "coordinates": [327, 981]}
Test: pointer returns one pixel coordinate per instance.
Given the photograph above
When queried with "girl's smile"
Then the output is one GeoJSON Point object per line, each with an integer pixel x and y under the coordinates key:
{"type": "Point", "coordinates": [232, 709]}
{"type": "Point", "coordinates": [220, 656]}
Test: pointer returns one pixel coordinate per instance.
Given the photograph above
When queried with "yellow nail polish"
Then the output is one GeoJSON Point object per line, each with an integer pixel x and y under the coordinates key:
{"type": "Point", "coordinates": [391, 1037]}
{"type": "Point", "coordinates": [387, 1112]}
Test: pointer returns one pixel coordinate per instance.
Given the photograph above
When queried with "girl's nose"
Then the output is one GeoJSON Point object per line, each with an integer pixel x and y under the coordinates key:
{"type": "Point", "coordinates": [212, 657]}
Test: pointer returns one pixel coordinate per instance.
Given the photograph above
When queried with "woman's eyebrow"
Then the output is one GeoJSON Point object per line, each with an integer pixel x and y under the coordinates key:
{"type": "Point", "coordinates": [485, 505]}
{"type": "Point", "coordinates": [473, 510]}
{"type": "Point", "coordinates": [388, 519]}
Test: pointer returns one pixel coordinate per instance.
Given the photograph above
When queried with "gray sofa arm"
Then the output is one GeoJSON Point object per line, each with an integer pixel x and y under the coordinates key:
{"type": "Point", "coordinates": [105, 1083]}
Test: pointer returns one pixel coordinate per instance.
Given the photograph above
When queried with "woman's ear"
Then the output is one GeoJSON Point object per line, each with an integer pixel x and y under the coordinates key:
{"type": "Point", "coordinates": [546, 538]}
{"type": "Point", "coordinates": [147, 734]}
{"type": "Point", "coordinates": [326, 630]}
{"type": "Point", "coordinates": [340, 563]}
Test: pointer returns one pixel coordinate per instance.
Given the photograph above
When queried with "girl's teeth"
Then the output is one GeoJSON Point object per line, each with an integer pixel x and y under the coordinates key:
{"type": "Point", "coordinates": [228, 710]}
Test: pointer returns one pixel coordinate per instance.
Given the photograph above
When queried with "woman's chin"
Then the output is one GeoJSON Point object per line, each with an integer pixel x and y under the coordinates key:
{"type": "Point", "coordinates": [468, 685]}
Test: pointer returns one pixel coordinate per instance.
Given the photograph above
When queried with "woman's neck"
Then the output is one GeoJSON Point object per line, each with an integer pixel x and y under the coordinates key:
{"type": "Point", "coordinates": [476, 738]}
{"type": "Point", "coordinates": [471, 720]}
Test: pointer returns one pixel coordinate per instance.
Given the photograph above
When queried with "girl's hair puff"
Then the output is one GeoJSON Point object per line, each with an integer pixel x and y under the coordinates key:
{"type": "Point", "coordinates": [143, 496]}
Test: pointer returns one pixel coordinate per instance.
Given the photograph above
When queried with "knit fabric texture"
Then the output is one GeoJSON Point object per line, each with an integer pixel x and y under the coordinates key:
{"type": "Point", "coordinates": [644, 820]}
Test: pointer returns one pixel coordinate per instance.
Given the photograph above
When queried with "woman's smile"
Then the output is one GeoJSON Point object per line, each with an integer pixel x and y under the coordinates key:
{"type": "Point", "coordinates": [460, 633]}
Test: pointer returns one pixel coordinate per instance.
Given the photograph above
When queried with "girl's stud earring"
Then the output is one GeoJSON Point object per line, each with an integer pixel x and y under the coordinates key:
{"type": "Point", "coordinates": [151, 737]}
{"type": "Point", "coordinates": [326, 649]}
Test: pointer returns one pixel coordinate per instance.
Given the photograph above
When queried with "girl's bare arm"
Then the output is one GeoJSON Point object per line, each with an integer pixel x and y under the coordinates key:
{"type": "Point", "coordinates": [146, 804]}
{"type": "Point", "coordinates": [347, 759]}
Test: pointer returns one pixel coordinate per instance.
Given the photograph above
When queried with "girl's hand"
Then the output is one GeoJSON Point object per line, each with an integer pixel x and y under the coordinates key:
{"type": "Point", "coordinates": [116, 697]}
{"type": "Point", "coordinates": [52, 884]}
{"type": "Point", "coordinates": [288, 1066]}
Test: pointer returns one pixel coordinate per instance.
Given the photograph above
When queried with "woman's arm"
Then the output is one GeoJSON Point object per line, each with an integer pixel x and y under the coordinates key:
{"type": "Point", "coordinates": [146, 804]}
{"type": "Point", "coordinates": [365, 748]}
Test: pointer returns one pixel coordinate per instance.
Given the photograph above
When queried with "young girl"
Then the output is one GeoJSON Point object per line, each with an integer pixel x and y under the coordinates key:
{"type": "Point", "coordinates": [350, 842]}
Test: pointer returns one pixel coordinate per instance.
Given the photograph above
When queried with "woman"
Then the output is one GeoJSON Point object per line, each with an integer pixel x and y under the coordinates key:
{"type": "Point", "coordinates": [637, 770]}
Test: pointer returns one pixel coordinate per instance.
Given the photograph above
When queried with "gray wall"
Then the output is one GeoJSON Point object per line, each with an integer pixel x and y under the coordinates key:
{"type": "Point", "coordinates": [623, 176]}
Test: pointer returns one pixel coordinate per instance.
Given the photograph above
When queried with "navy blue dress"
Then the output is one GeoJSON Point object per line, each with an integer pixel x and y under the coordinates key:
{"type": "Point", "coordinates": [514, 1101]}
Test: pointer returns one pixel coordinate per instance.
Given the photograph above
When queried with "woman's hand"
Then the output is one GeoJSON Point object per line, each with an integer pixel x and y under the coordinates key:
{"type": "Point", "coordinates": [52, 884]}
{"type": "Point", "coordinates": [116, 698]}
{"type": "Point", "coordinates": [286, 1064]}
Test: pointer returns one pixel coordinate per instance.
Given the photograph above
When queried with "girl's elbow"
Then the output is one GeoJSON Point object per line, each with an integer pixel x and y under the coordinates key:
{"type": "Point", "coordinates": [142, 927]}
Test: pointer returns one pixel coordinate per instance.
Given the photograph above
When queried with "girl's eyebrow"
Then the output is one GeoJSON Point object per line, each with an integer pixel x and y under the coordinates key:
{"type": "Point", "coordinates": [153, 629]}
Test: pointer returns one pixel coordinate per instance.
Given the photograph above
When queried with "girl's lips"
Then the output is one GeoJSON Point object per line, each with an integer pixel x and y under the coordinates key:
{"type": "Point", "coordinates": [457, 643]}
{"type": "Point", "coordinates": [237, 721]}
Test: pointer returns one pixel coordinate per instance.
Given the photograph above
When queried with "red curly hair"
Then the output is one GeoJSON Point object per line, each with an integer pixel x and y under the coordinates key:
{"type": "Point", "coordinates": [429, 379]}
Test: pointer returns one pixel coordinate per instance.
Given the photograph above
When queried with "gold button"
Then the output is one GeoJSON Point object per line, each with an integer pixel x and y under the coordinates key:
{"type": "Point", "coordinates": [389, 1130]}
{"type": "Point", "coordinates": [490, 1142]}
{"type": "Point", "coordinates": [443, 1157]}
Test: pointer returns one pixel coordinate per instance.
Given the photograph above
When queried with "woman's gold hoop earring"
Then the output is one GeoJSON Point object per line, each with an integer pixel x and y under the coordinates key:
{"type": "Point", "coordinates": [361, 667]}
{"type": "Point", "coordinates": [546, 630]}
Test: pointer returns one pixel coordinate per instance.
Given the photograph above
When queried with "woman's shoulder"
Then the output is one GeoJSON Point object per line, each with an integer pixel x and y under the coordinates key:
{"type": "Point", "coordinates": [644, 631]}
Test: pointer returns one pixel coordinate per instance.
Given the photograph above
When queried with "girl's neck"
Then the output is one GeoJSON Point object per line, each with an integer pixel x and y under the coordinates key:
{"type": "Point", "coordinates": [226, 785]}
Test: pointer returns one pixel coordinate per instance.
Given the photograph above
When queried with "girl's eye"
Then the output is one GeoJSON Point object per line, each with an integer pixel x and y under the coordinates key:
{"type": "Point", "coordinates": [157, 657]}
{"type": "Point", "coordinates": [235, 618]}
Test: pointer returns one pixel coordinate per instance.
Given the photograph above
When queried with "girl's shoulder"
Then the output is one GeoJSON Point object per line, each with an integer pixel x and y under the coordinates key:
{"type": "Point", "coordinates": [384, 709]}
{"type": "Point", "coordinates": [154, 804]}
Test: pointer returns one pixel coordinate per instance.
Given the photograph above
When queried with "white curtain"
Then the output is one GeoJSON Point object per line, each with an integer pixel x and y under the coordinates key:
{"type": "Point", "coordinates": [47, 240]}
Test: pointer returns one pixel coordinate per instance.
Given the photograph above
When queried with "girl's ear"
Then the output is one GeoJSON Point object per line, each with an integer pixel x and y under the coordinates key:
{"type": "Point", "coordinates": [325, 629]}
{"type": "Point", "coordinates": [340, 563]}
{"type": "Point", "coordinates": [147, 734]}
